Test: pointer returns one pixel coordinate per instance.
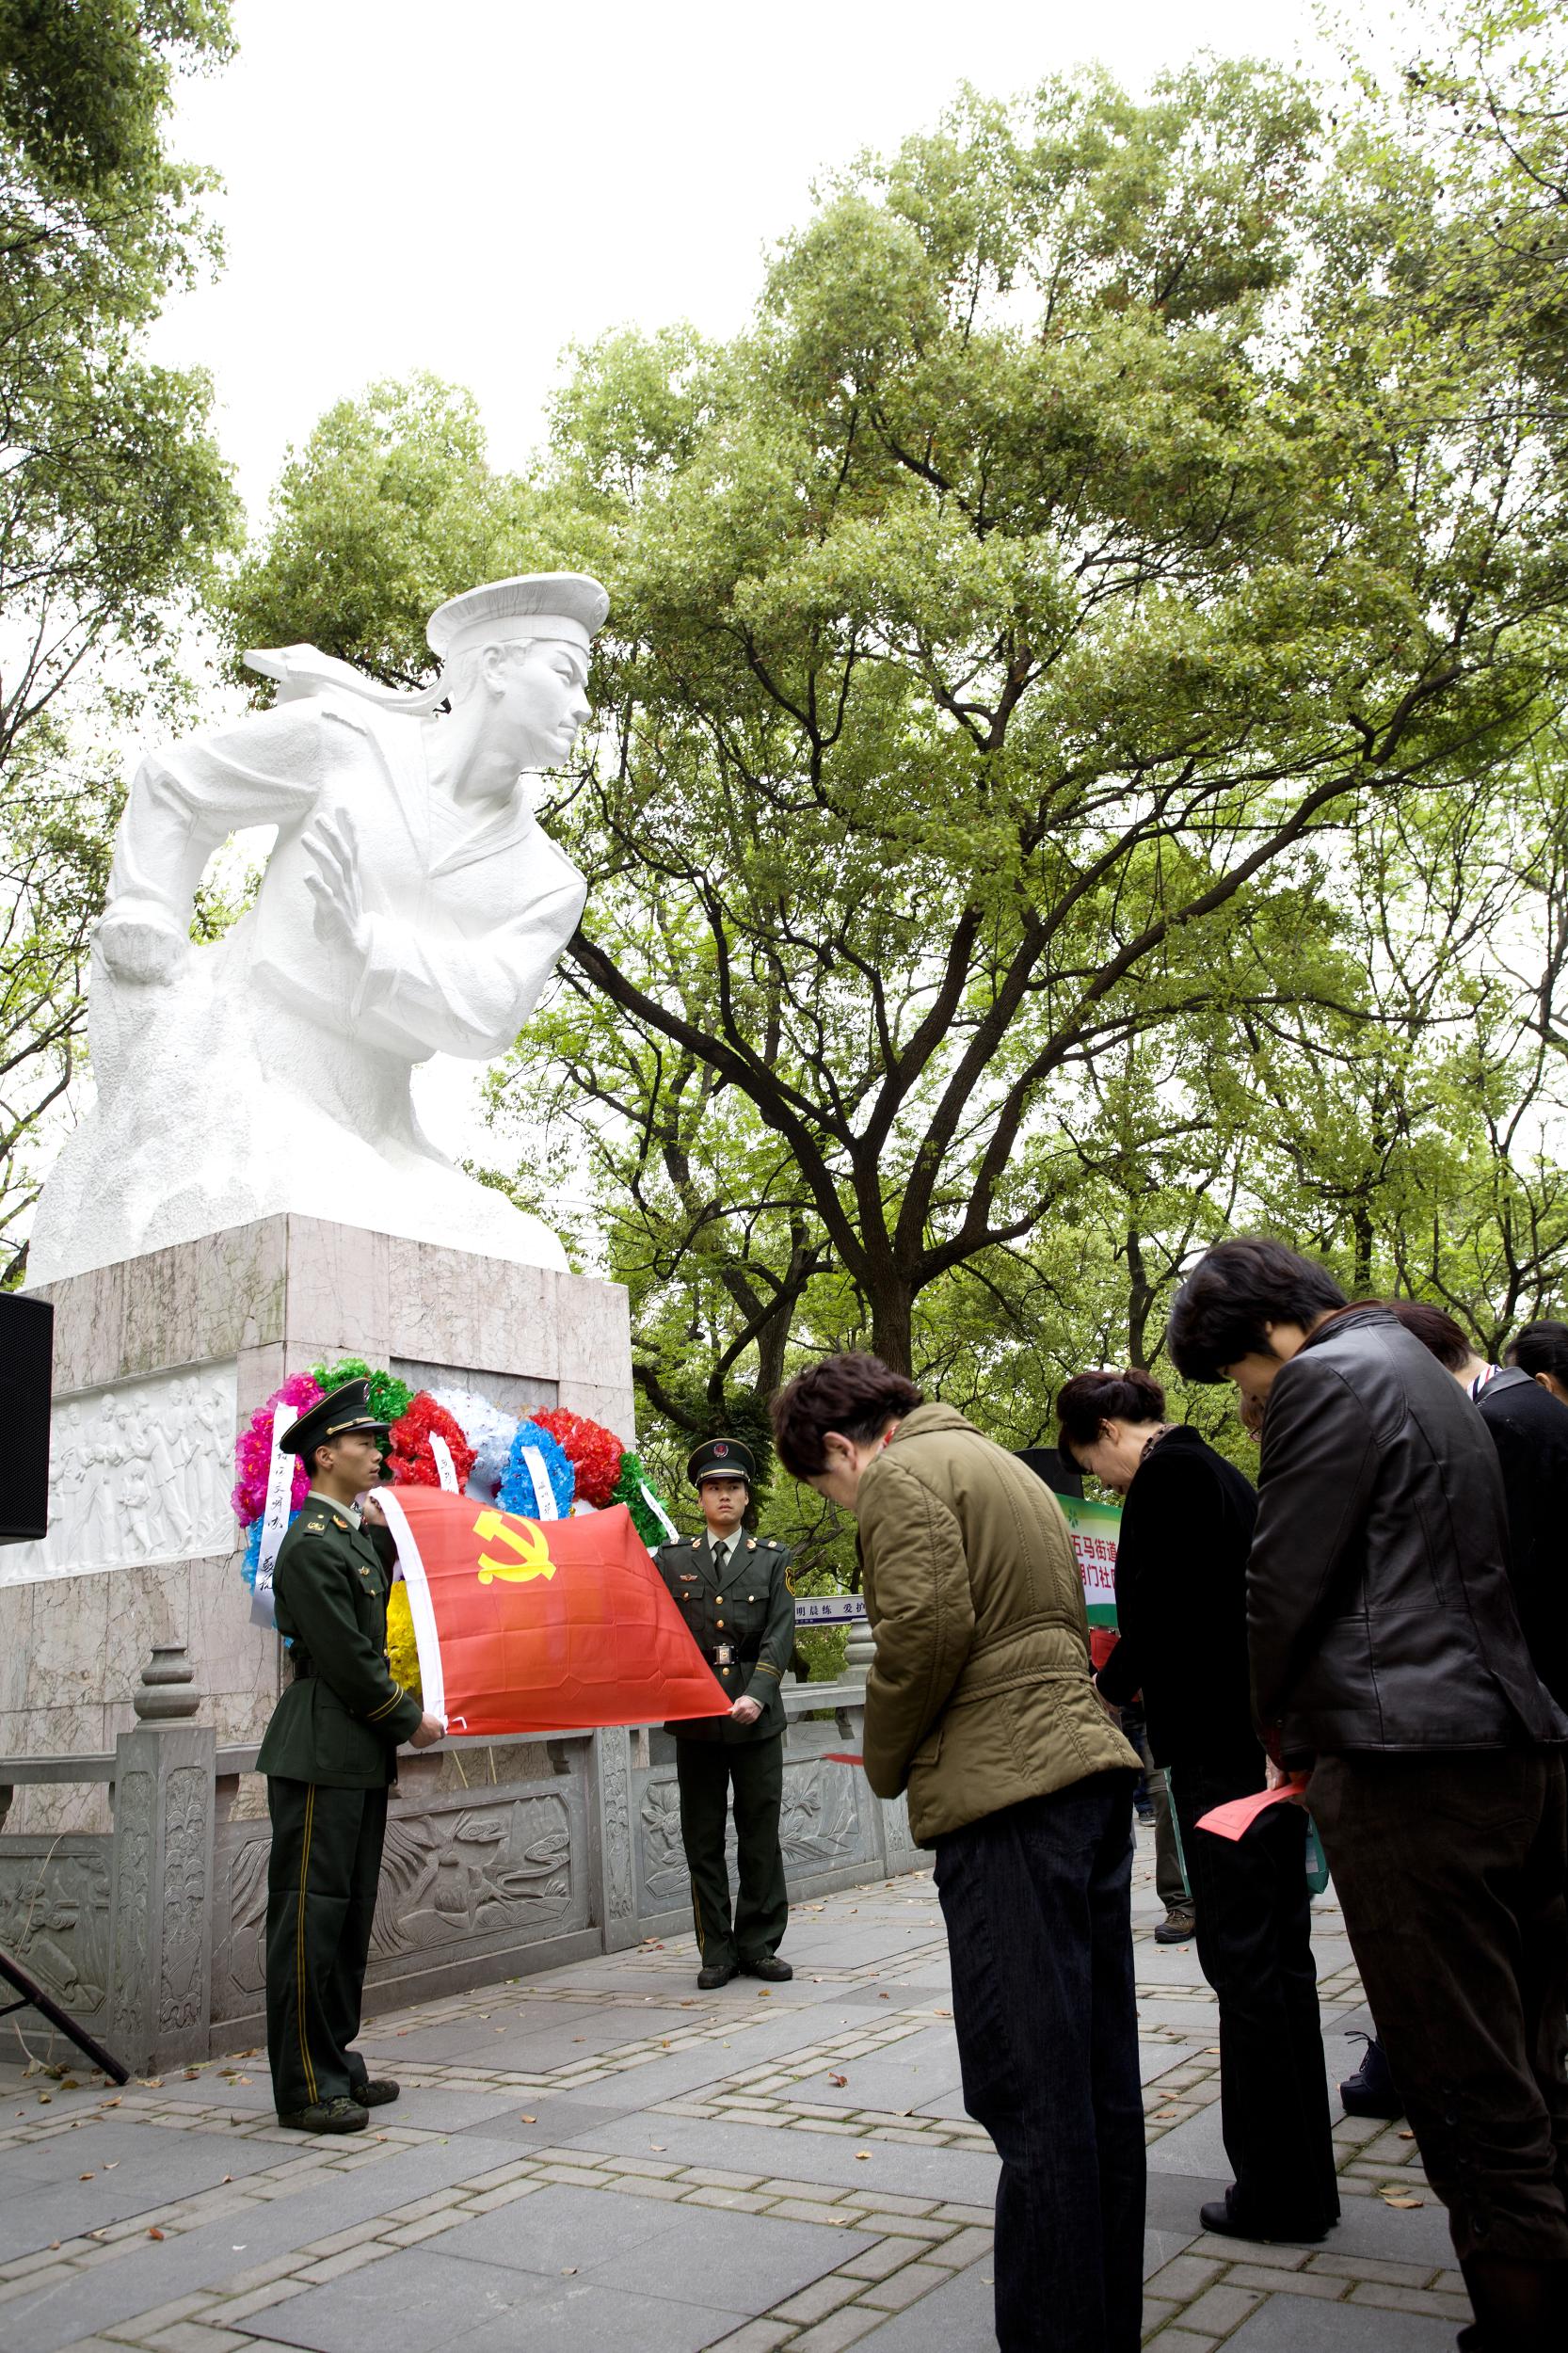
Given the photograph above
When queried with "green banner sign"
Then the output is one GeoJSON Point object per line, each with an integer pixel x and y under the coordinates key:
{"type": "Point", "coordinates": [1095, 1527]}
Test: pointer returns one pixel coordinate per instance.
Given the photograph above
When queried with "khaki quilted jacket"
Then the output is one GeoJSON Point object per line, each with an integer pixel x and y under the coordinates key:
{"type": "Point", "coordinates": [981, 1693]}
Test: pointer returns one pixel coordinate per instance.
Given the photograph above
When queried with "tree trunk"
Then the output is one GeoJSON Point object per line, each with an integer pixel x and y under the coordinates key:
{"type": "Point", "coordinates": [892, 1305]}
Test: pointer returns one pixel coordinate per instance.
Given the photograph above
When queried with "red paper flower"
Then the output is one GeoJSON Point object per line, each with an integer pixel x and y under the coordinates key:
{"type": "Point", "coordinates": [412, 1459]}
{"type": "Point", "coordinates": [594, 1452]}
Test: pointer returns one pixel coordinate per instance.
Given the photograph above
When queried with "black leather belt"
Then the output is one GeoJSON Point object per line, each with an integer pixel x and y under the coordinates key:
{"type": "Point", "coordinates": [731, 1655]}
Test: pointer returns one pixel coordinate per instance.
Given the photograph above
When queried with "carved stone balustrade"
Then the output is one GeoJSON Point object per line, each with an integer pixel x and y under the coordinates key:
{"type": "Point", "coordinates": [500, 1860]}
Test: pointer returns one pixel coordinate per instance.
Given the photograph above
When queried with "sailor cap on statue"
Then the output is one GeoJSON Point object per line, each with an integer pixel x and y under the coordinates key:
{"type": "Point", "coordinates": [722, 1458]}
{"type": "Point", "coordinates": [566, 606]}
{"type": "Point", "coordinates": [340, 1412]}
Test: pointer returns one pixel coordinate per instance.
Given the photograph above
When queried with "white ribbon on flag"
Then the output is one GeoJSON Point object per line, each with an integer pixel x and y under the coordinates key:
{"type": "Point", "coordinates": [446, 1469]}
{"type": "Point", "coordinates": [432, 1676]}
{"type": "Point", "coordinates": [544, 1494]}
{"type": "Point", "coordinates": [275, 1518]}
{"type": "Point", "coordinates": [658, 1512]}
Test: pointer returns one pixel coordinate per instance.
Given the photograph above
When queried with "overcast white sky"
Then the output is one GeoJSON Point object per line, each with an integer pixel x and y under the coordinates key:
{"type": "Point", "coordinates": [468, 185]}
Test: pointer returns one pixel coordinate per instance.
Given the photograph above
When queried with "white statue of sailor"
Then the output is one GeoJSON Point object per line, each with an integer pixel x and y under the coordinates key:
{"type": "Point", "coordinates": [411, 906]}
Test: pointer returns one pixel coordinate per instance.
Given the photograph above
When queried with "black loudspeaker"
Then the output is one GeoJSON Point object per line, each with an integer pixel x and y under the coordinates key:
{"type": "Point", "coordinates": [26, 1372]}
{"type": "Point", "coordinates": [1047, 1463]}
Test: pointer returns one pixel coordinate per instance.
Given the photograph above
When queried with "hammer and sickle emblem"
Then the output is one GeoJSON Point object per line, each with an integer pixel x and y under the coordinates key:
{"type": "Point", "coordinates": [521, 1537]}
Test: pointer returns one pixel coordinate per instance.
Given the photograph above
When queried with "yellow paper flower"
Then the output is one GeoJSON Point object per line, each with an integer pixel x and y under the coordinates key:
{"type": "Point", "coordinates": [402, 1651]}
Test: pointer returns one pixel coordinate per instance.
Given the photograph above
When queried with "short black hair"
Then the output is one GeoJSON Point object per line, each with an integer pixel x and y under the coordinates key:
{"type": "Point", "coordinates": [1542, 1347]}
{"type": "Point", "coordinates": [1437, 1332]}
{"type": "Point", "coordinates": [1234, 1290]}
{"type": "Point", "coordinates": [1091, 1398]}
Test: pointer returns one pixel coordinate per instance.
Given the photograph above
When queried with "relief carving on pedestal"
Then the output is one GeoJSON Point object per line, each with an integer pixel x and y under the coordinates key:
{"type": "Point", "coordinates": [133, 1805]}
{"type": "Point", "coordinates": [54, 1920]}
{"type": "Point", "coordinates": [614, 1804]}
{"type": "Point", "coordinates": [445, 1877]}
{"type": "Point", "coordinates": [819, 1830]}
{"type": "Point", "coordinates": [139, 1472]}
{"type": "Point", "coordinates": [664, 1860]}
{"type": "Point", "coordinates": [180, 2001]}
{"type": "Point", "coordinates": [818, 1827]}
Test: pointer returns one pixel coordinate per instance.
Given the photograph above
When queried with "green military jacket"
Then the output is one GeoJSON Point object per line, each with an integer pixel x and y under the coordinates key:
{"type": "Point", "coordinates": [753, 1610]}
{"type": "Point", "coordinates": [340, 1720]}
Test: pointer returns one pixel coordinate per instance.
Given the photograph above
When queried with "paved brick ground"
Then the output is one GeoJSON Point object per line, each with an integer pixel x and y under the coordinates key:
{"type": "Point", "coordinates": [602, 2158]}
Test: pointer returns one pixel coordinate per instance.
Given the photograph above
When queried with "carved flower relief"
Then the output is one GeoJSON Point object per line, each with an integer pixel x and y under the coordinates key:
{"type": "Point", "coordinates": [452, 1875]}
{"type": "Point", "coordinates": [817, 1825]}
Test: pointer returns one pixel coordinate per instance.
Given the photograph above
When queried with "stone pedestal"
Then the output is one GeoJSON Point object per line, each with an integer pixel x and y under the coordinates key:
{"type": "Point", "coordinates": [158, 1362]}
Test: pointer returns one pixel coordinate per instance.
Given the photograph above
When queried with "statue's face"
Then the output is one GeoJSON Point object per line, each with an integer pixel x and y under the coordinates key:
{"type": "Point", "coordinates": [538, 701]}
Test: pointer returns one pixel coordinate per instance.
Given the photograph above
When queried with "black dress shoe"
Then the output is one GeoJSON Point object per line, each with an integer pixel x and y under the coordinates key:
{"type": "Point", "coordinates": [340, 2115]}
{"type": "Point", "coordinates": [720, 1974]}
{"type": "Point", "coordinates": [376, 2091]}
{"type": "Point", "coordinates": [1372, 2090]}
{"type": "Point", "coordinates": [1222, 2218]}
{"type": "Point", "coordinates": [776, 1972]}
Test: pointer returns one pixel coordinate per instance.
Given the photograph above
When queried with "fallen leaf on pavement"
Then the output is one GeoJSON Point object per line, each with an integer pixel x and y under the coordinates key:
{"type": "Point", "coordinates": [838, 2079]}
{"type": "Point", "coordinates": [154, 2231]}
{"type": "Point", "coordinates": [862, 2155]}
{"type": "Point", "coordinates": [1390, 2200]}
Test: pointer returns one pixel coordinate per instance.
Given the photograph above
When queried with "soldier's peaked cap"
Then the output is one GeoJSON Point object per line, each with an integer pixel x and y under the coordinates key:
{"type": "Point", "coordinates": [722, 1458]}
{"type": "Point", "coordinates": [559, 605]}
{"type": "Point", "coordinates": [340, 1412]}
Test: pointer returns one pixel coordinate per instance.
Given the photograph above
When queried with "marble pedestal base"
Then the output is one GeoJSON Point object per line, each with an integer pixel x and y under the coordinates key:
{"type": "Point", "coordinates": [159, 1361]}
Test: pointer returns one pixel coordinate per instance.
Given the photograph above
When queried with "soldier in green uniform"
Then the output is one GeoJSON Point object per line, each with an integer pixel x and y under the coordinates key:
{"type": "Point", "coordinates": [732, 1591]}
{"type": "Point", "coordinates": [328, 1757]}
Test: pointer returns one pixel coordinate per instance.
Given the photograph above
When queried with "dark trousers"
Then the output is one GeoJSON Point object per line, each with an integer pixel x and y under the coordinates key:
{"type": "Point", "coordinates": [1253, 1921]}
{"type": "Point", "coordinates": [321, 1884]}
{"type": "Point", "coordinates": [706, 1772]}
{"type": "Point", "coordinates": [1451, 1872]}
{"type": "Point", "coordinates": [1171, 1880]}
{"type": "Point", "coordinates": [1038, 1903]}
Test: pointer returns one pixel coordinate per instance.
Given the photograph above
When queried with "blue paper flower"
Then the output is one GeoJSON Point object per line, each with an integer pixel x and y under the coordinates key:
{"type": "Point", "coordinates": [516, 1488]}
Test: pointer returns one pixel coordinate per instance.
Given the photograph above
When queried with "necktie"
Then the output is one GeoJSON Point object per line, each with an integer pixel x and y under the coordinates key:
{"type": "Point", "coordinates": [721, 1554]}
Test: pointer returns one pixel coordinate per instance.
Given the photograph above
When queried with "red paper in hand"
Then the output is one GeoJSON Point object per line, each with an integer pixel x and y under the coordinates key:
{"type": "Point", "coordinates": [1240, 1814]}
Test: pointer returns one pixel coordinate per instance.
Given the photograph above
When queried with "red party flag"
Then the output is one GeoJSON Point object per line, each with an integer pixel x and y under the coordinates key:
{"type": "Point", "coordinates": [529, 1625]}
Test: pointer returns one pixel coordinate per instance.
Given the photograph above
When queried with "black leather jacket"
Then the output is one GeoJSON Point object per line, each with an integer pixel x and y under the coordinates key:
{"type": "Point", "coordinates": [1379, 1610]}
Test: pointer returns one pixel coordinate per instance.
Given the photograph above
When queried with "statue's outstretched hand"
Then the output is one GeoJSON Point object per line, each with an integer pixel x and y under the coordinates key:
{"type": "Point", "coordinates": [333, 881]}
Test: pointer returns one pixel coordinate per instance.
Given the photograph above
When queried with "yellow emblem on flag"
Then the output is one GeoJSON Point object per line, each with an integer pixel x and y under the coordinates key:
{"type": "Point", "coordinates": [523, 1538]}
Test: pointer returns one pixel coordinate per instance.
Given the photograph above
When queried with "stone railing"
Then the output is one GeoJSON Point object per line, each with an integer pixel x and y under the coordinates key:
{"type": "Point", "coordinates": [500, 1860]}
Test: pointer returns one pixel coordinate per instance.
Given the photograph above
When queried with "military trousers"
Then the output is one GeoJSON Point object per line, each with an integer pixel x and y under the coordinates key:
{"type": "Point", "coordinates": [706, 1772]}
{"type": "Point", "coordinates": [321, 1884]}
